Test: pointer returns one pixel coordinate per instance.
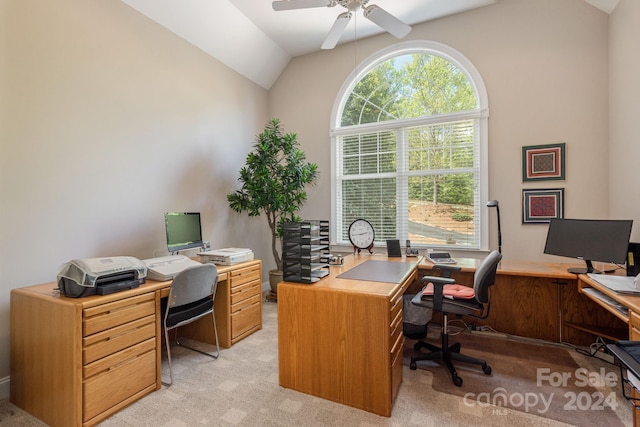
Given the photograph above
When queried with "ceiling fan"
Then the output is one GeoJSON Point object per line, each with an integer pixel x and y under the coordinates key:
{"type": "Point", "coordinates": [374, 13]}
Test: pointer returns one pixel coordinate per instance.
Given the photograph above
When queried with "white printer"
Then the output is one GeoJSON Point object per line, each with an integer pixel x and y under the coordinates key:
{"type": "Point", "coordinates": [227, 256]}
{"type": "Point", "coordinates": [83, 277]}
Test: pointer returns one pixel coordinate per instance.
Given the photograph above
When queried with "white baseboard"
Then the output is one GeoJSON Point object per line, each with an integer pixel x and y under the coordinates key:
{"type": "Point", "coordinates": [4, 387]}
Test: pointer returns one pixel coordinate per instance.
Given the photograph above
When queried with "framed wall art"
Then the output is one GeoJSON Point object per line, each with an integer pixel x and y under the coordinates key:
{"type": "Point", "coordinates": [542, 205]}
{"type": "Point", "coordinates": [543, 162]}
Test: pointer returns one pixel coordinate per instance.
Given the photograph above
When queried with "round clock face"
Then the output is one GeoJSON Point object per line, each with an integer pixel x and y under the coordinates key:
{"type": "Point", "coordinates": [361, 233]}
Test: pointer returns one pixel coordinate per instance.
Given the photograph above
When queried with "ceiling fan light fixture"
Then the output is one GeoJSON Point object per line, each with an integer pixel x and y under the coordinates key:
{"type": "Point", "coordinates": [386, 21]}
{"type": "Point", "coordinates": [336, 30]}
{"type": "Point", "coordinates": [374, 13]}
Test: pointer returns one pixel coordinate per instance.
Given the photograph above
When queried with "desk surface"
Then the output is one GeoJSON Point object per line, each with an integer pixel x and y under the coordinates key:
{"type": "Point", "coordinates": [50, 290]}
{"type": "Point", "coordinates": [335, 283]}
{"type": "Point", "coordinates": [553, 270]}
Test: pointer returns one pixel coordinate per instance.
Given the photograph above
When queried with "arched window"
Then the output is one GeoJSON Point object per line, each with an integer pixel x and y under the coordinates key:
{"type": "Point", "coordinates": [409, 139]}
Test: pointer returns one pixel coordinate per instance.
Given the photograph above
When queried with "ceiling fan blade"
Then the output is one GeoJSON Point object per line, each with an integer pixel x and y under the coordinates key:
{"type": "Point", "coordinates": [336, 30]}
{"type": "Point", "coordinates": [298, 4]}
{"type": "Point", "coordinates": [386, 21]}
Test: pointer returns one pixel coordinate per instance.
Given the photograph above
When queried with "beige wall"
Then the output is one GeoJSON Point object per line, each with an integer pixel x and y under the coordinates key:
{"type": "Point", "coordinates": [544, 64]}
{"type": "Point", "coordinates": [109, 120]}
{"type": "Point", "coordinates": [624, 114]}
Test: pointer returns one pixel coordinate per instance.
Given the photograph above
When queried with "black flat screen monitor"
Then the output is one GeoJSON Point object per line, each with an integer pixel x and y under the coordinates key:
{"type": "Point", "coordinates": [589, 240]}
{"type": "Point", "coordinates": [183, 230]}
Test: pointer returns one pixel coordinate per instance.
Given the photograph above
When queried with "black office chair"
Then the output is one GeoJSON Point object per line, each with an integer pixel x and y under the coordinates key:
{"type": "Point", "coordinates": [190, 298]}
{"type": "Point", "coordinates": [476, 307]}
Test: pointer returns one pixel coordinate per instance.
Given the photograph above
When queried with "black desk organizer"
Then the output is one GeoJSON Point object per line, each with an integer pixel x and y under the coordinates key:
{"type": "Point", "coordinates": [305, 251]}
{"type": "Point", "coordinates": [627, 357]}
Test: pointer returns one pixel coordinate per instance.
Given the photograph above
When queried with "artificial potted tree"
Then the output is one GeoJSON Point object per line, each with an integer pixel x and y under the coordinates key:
{"type": "Point", "coordinates": [273, 182]}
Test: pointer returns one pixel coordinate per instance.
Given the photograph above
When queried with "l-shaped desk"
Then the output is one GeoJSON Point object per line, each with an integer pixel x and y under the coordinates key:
{"type": "Point", "coordinates": [341, 339]}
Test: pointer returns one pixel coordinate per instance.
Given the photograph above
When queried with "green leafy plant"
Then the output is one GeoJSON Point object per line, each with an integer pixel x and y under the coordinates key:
{"type": "Point", "coordinates": [461, 217]}
{"type": "Point", "coordinates": [273, 181]}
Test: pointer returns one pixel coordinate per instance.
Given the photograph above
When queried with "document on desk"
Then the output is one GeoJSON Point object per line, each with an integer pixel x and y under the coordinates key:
{"type": "Point", "coordinates": [618, 284]}
{"type": "Point", "coordinates": [165, 268]}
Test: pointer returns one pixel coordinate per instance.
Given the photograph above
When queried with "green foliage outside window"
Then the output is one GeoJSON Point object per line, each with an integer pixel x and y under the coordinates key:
{"type": "Point", "coordinates": [440, 156]}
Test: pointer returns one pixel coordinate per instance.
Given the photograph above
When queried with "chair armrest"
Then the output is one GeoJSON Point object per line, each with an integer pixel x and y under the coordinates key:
{"type": "Point", "coordinates": [438, 286]}
{"type": "Point", "coordinates": [438, 281]}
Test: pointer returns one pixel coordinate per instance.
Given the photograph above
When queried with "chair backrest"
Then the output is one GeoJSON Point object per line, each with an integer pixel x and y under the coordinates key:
{"type": "Point", "coordinates": [193, 284]}
{"type": "Point", "coordinates": [485, 276]}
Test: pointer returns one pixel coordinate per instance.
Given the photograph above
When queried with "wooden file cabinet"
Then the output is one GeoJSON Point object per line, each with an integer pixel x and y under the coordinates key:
{"type": "Point", "coordinates": [396, 338]}
{"type": "Point", "coordinates": [77, 361]}
{"type": "Point", "coordinates": [118, 352]}
{"type": "Point", "coordinates": [246, 302]}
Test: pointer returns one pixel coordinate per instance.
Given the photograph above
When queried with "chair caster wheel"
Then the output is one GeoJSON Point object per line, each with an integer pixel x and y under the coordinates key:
{"type": "Point", "coordinates": [457, 381]}
{"type": "Point", "coordinates": [412, 365]}
{"type": "Point", "coordinates": [486, 369]}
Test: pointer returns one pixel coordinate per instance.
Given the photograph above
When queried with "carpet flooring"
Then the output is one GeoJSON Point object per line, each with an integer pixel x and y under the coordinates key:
{"type": "Point", "coordinates": [241, 389]}
{"type": "Point", "coordinates": [534, 378]}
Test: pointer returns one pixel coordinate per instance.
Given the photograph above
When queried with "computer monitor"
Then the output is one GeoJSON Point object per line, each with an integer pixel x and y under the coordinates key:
{"type": "Point", "coordinates": [183, 230]}
{"type": "Point", "coordinates": [589, 240]}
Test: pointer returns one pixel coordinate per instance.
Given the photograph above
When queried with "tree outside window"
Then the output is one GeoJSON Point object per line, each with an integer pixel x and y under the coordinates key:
{"type": "Point", "coordinates": [407, 153]}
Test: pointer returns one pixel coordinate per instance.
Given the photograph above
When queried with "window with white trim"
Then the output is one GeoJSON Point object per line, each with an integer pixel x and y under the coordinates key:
{"type": "Point", "coordinates": [409, 153]}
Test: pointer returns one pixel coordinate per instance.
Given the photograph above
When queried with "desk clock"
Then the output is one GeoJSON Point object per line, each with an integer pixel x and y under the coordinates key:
{"type": "Point", "coordinates": [361, 235]}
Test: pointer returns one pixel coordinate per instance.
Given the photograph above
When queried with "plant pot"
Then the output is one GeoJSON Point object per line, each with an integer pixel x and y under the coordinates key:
{"type": "Point", "coordinates": [275, 276]}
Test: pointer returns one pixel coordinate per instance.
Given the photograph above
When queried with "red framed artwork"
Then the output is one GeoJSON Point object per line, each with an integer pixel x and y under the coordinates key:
{"type": "Point", "coordinates": [542, 205]}
{"type": "Point", "coordinates": [543, 162]}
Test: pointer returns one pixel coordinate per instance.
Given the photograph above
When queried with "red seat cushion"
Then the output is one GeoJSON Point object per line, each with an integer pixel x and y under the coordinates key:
{"type": "Point", "coordinates": [451, 291]}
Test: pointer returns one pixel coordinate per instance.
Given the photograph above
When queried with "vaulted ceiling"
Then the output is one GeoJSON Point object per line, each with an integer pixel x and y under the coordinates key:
{"type": "Point", "coordinates": [258, 42]}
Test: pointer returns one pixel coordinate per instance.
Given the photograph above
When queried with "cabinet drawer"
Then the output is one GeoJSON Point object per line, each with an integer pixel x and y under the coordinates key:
{"type": "Point", "coordinates": [244, 291]}
{"type": "Point", "coordinates": [112, 340]}
{"type": "Point", "coordinates": [112, 361]}
{"type": "Point", "coordinates": [106, 316]}
{"type": "Point", "coordinates": [244, 275]}
{"type": "Point", "coordinates": [396, 329]}
{"type": "Point", "coordinates": [122, 380]}
{"type": "Point", "coordinates": [245, 303]}
{"type": "Point", "coordinates": [396, 373]}
{"type": "Point", "coordinates": [634, 319]}
{"type": "Point", "coordinates": [396, 306]}
{"type": "Point", "coordinates": [634, 326]}
{"type": "Point", "coordinates": [246, 319]}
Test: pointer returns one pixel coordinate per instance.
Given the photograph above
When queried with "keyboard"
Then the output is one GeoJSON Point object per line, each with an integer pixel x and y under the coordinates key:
{"type": "Point", "coordinates": [166, 267]}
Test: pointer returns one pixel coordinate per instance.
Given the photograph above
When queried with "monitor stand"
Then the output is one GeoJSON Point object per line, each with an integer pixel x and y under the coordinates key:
{"type": "Point", "coordinates": [588, 269]}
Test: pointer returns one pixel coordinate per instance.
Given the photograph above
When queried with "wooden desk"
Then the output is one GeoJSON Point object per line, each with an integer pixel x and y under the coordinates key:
{"type": "Point", "coordinates": [76, 361]}
{"type": "Point", "coordinates": [631, 318]}
{"type": "Point", "coordinates": [341, 339]}
{"type": "Point", "coordinates": [540, 300]}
